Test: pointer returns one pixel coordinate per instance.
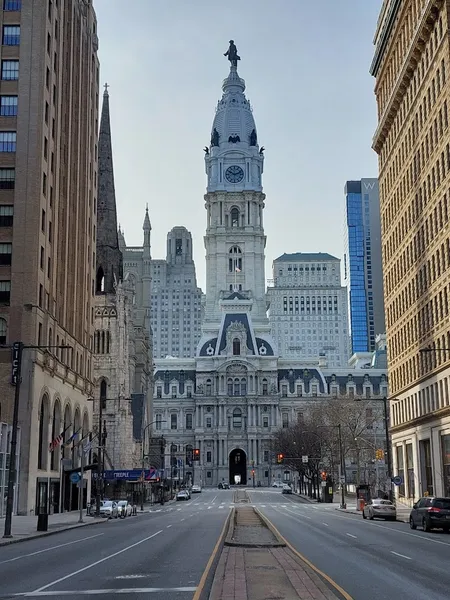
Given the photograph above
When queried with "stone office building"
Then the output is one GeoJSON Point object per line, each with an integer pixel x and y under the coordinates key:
{"type": "Point", "coordinates": [230, 399]}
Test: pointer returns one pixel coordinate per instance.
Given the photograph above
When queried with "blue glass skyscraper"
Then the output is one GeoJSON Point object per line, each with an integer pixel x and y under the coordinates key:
{"type": "Point", "coordinates": [362, 263]}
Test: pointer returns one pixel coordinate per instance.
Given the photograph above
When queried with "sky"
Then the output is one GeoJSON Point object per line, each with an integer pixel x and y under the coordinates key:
{"type": "Point", "coordinates": [306, 68]}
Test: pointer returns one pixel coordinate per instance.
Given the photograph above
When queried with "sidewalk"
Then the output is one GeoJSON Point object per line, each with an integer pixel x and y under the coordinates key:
{"type": "Point", "coordinates": [25, 527]}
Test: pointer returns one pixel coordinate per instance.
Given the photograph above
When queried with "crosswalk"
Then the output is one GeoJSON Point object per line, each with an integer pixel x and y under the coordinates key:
{"type": "Point", "coordinates": [202, 506]}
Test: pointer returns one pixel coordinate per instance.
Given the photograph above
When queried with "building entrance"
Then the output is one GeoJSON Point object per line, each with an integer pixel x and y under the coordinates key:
{"type": "Point", "coordinates": [238, 467]}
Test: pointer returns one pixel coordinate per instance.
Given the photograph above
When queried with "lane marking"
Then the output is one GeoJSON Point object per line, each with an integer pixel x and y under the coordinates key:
{"type": "Point", "coordinates": [212, 502]}
{"type": "Point", "coordinates": [94, 564]}
{"type": "Point", "coordinates": [181, 520]}
{"type": "Point", "coordinates": [51, 548]}
{"type": "Point", "coordinates": [336, 586]}
{"type": "Point", "coordinates": [110, 592]}
{"type": "Point", "coordinates": [326, 524]}
{"type": "Point", "coordinates": [351, 535]}
{"type": "Point", "coordinates": [169, 526]}
{"type": "Point", "coordinates": [178, 508]}
{"type": "Point", "coordinates": [209, 507]}
{"type": "Point", "coordinates": [401, 555]}
{"type": "Point", "coordinates": [131, 576]}
{"type": "Point", "coordinates": [204, 577]}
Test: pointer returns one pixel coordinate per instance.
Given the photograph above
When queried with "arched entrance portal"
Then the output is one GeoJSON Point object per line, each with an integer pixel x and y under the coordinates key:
{"type": "Point", "coordinates": [238, 467]}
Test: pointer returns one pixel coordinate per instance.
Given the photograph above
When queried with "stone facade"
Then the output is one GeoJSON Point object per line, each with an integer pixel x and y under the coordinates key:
{"type": "Point", "coordinates": [308, 310]}
{"type": "Point", "coordinates": [230, 399]}
{"type": "Point", "coordinates": [122, 343]}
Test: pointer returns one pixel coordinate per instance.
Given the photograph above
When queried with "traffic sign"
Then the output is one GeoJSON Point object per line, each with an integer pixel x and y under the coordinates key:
{"type": "Point", "coordinates": [397, 480]}
{"type": "Point", "coordinates": [75, 477]}
{"type": "Point", "coordinates": [305, 459]}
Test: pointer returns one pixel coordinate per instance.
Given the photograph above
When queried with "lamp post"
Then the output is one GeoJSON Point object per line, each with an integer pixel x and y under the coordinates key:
{"type": "Point", "coordinates": [341, 461]}
{"type": "Point", "coordinates": [16, 378]}
{"type": "Point", "coordinates": [143, 459]}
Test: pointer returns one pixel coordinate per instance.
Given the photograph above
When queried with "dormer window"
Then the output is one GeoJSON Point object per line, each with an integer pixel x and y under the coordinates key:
{"type": "Point", "coordinates": [236, 347]}
{"type": "Point", "coordinates": [234, 217]}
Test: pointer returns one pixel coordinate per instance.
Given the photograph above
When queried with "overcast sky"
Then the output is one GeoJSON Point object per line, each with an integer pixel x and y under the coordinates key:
{"type": "Point", "coordinates": [306, 69]}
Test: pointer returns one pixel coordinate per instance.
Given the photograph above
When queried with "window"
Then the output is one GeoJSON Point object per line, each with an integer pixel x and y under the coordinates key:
{"type": "Point", "coordinates": [234, 217]}
{"type": "Point", "coordinates": [103, 393]}
{"type": "Point", "coordinates": [189, 421]}
{"type": "Point", "coordinates": [41, 261]}
{"type": "Point", "coordinates": [208, 423]}
{"type": "Point", "coordinates": [179, 247]}
{"type": "Point", "coordinates": [10, 70]}
{"type": "Point", "coordinates": [159, 391]}
{"type": "Point", "coordinates": [8, 106]}
{"type": "Point", "coordinates": [237, 418]}
{"type": "Point", "coordinates": [236, 347]}
{"type": "Point", "coordinates": [285, 420]}
{"type": "Point", "coordinates": [12, 4]}
{"type": "Point", "coordinates": [5, 292]}
{"type": "Point", "coordinates": [11, 35]}
{"type": "Point", "coordinates": [8, 141]}
{"type": "Point", "coordinates": [6, 216]}
{"type": "Point", "coordinates": [266, 456]}
{"type": "Point", "coordinates": [158, 422]}
{"type": "Point", "coordinates": [7, 179]}
{"type": "Point", "coordinates": [235, 260]}
{"type": "Point", "coordinates": [3, 329]}
{"type": "Point", "coordinates": [174, 391]}
{"type": "Point", "coordinates": [5, 254]}
{"type": "Point", "coordinates": [208, 456]}
{"type": "Point", "coordinates": [43, 220]}
{"type": "Point", "coordinates": [173, 421]}
{"type": "Point", "coordinates": [265, 421]}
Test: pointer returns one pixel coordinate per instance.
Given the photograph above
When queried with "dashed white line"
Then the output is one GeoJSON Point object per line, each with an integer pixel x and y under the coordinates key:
{"type": "Point", "coordinates": [351, 535]}
{"type": "Point", "coordinates": [182, 520]}
{"type": "Point", "coordinates": [48, 549]}
{"type": "Point", "coordinates": [401, 555]}
{"type": "Point", "coordinates": [326, 524]}
{"type": "Point", "coordinates": [169, 526]}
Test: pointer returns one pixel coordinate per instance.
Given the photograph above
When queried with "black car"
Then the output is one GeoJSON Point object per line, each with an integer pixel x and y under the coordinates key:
{"type": "Point", "coordinates": [223, 486]}
{"type": "Point", "coordinates": [431, 513]}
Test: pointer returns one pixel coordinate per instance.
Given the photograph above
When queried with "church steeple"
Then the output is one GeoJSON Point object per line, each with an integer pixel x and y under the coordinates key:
{"type": "Point", "coordinates": [109, 256]}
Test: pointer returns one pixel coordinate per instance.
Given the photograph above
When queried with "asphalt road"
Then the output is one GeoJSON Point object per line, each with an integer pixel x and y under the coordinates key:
{"type": "Point", "coordinates": [159, 555]}
{"type": "Point", "coordinates": [370, 560]}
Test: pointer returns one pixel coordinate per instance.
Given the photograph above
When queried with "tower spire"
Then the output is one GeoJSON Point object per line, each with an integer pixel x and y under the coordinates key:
{"type": "Point", "coordinates": [109, 256]}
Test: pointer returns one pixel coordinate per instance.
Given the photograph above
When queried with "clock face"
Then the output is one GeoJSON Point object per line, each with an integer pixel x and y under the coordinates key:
{"type": "Point", "coordinates": [234, 174]}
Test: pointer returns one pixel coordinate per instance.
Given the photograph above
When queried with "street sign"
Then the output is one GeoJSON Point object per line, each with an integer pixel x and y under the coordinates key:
{"type": "Point", "coordinates": [305, 459]}
{"type": "Point", "coordinates": [75, 477]}
{"type": "Point", "coordinates": [15, 363]}
{"type": "Point", "coordinates": [397, 480]}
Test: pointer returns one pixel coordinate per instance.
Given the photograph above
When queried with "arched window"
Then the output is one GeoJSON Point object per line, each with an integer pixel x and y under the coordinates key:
{"type": "Point", "coordinates": [56, 430]}
{"type": "Point", "coordinates": [43, 433]}
{"type": "Point", "coordinates": [3, 329]}
{"type": "Point", "coordinates": [235, 259]}
{"type": "Point", "coordinates": [243, 387]}
{"type": "Point", "coordinates": [236, 347]}
{"type": "Point", "coordinates": [234, 217]}
{"type": "Point", "coordinates": [237, 418]}
{"type": "Point", "coordinates": [100, 281]}
{"type": "Point", "coordinates": [103, 393]}
{"type": "Point", "coordinates": [230, 387]}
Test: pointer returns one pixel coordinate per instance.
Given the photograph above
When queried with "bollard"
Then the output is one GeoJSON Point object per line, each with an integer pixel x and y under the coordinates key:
{"type": "Point", "coordinates": [134, 513]}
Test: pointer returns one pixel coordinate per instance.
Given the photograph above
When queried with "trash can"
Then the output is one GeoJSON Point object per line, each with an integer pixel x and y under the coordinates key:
{"type": "Point", "coordinates": [361, 504]}
{"type": "Point", "coordinates": [42, 524]}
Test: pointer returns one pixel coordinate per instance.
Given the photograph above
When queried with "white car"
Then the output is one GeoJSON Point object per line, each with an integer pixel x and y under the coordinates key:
{"type": "Point", "coordinates": [109, 509]}
{"type": "Point", "coordinates": [124, 508]}
{"type": "Point", "coordinates": [196, 489]}
{"type": "Point", "coordinates": [182, 495]}
{"type": "Point", "coordinates": [277, 484]}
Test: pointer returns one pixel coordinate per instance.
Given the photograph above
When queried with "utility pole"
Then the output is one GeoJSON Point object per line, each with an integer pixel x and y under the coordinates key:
{"type": "Point", "coordinates": [99, 459]}
{"type": "Point", "coordinates": [343, 478]}
{"type": "Point", "coordinates": [16, 380]}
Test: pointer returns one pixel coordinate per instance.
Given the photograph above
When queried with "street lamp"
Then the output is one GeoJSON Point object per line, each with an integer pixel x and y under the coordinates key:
{"type": "Point", "coordinates": [143, 458]}
{"type": "Point", "coordinates": [16, 378]}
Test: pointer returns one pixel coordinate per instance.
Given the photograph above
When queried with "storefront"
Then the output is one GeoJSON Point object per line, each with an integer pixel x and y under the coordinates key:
{"type": "Point", "coordinates": [446, 464]}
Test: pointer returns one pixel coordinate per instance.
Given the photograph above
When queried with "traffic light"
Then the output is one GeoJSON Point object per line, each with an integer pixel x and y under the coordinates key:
{"type": "Point", "coordinates": [196, 454]}
{"type": "Point", "coordinates": [323, 475]}
{"type": "Point", "coordinates": [280, 457]}
{"type": "Point", "coordinates": [189, 456]}
{"type": "Point", "coordinates": [379, 454]}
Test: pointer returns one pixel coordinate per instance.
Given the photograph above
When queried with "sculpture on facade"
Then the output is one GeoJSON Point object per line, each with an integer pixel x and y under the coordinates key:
{"type": "Point", "coordinates": [253, 138]}
{"type": "Point", "coordinates": [232, 54]}
{"type": "Point", "coordinates": [215, 137]}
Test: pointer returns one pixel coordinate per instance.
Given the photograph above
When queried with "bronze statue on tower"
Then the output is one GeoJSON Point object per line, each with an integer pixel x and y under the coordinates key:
{"type": "Point", "coordinates": [232, 54]}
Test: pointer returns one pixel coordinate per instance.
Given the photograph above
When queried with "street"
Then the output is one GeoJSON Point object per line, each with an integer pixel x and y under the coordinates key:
{"type": "Point", "coordinates": [370, 560]}
{"type": "Point", "coordinates": [163, 553]}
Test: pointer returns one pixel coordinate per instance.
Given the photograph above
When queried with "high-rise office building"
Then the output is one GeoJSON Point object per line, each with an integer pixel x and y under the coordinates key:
{"type": "Point", "coordinates": [48, 180]}
{"type": "Point", "coordinates": [176, 313]}
{"type": "Point", "coordinates": [362, 264]}
{"type": "Point", "coordinates": [412, 68]}
{"type": "Point", "coordinates": [308, 308]}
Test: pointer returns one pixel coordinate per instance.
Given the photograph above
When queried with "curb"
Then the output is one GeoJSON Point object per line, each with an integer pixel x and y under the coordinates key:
{"type": "Point", "coordinates": [13, 540]}
{"type": "Point", "coordinates": [229, 536]}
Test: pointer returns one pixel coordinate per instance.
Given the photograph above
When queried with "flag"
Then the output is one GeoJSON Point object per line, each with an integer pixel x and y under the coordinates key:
{"type": "Point", "coordinates": [58, 440]}
{"type": "Point", "coordinates": [72, 438]}
{"type": "Point", "coordinates": [87, 447]}
{"type": "Point", "coordinates": [237, 269]}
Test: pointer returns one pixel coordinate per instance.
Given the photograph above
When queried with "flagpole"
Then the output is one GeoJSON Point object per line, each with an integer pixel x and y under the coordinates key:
{"type": "Point", "coordinates": [235, 274]}
{"type": "Point", "coordinates": [61, 481]}
{"type": "Point", "coordinates": [81, 484]}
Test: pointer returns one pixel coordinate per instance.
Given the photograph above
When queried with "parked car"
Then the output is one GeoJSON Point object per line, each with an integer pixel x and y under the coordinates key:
{"type": "Point", "coordinates": [183, 495]}
{"type": "Point", "coordinates": [380, 509]}
{"type": "Point", "coordinates": [125, 509]}
{"type": "Point", "coordinates": [431, 513]}
{"type": "Point", "coordinates": [277, 484]}
{"type": "Point", "coordinates": [286, 489]}
{"type": "Point", "coordinates": [196, 489]}
{"type": "Point", "coordinates": [223, 485]}
{"type": "Point", "coordinates": [109, 509]}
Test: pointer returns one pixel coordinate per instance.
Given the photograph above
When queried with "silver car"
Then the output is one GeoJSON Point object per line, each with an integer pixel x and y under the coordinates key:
{"type": "Point", "coordinates": [124, 509]}
{"type": "Point", "coordinates": [109, 509]}
{"type": "Point", "coordinates": [381, 509]}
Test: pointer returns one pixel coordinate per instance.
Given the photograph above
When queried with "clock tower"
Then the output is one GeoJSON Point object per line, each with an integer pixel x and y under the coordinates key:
{"type": "Point", "coordinates": [234, 239]}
